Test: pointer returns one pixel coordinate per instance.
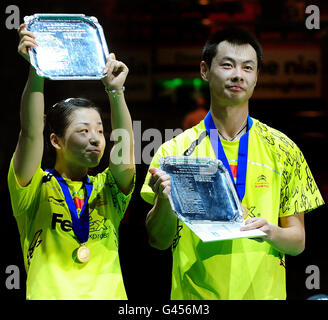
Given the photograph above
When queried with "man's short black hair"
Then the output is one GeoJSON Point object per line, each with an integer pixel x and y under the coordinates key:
{"type": "Point", "coordinates": [234, 36]}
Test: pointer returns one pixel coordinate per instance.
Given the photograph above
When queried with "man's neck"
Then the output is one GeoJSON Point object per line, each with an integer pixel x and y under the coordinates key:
{"type": "Point", "coordinates": [229, 120]}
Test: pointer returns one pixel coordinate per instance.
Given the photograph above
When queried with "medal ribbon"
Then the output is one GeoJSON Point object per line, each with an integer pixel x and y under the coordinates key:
{"type": "Point", "coordinates": [240, 184]}
{"type": "Point", "coordinates": [80, 225]}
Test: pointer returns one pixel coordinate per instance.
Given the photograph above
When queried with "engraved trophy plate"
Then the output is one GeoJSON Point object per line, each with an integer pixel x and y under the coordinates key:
{"type": "Point", "coordinates": [70, 46]}
{"type": "Point", "coordinates": [201, 189]}
{"type": "Point", "coordinates": [204, 198]}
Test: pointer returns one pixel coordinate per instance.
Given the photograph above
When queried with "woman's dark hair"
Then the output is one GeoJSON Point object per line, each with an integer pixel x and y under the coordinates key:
{"type": "Point", "coordinates": [57, 120]}
{"type": "Point", "coordinates": [233, 36]}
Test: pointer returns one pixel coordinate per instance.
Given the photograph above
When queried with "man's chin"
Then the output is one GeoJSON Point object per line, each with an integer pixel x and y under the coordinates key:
{"type": "Point", "coordinates": [237, 100]}
{"type": "Point", "coordinates": [93, 164]}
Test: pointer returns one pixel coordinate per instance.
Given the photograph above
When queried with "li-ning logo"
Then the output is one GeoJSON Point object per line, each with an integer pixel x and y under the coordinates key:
{"type": "Point", "coordinates": [261, 182]}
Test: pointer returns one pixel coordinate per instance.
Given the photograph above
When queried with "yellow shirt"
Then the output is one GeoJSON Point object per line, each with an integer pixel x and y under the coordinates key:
{"type": "Point", "coordinates": [48, 241]}
{"type": "Point", "coordinates": [278, 183]}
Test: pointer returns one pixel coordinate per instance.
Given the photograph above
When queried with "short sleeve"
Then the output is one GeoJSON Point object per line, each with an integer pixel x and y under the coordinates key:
{"type": "Point", "coordinates": [23, 198]}
{"type": "Point", "coordinates": [299, 192]}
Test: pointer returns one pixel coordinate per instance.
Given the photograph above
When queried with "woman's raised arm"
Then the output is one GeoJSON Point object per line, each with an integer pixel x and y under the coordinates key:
{"type": "Point", "coordinates": [29, 149]}
{"type": "Point", "coordinates": [121, 161]}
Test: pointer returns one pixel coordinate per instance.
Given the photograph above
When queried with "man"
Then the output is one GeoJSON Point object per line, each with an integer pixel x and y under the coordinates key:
{"type": "Point", "coordinates": [277, 189]}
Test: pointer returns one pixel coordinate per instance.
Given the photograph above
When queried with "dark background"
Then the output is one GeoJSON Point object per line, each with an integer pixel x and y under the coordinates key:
{"type": "Point", "coordinates": [145, 27]}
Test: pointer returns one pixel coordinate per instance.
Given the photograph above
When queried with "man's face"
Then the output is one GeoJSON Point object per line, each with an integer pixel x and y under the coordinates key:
{"type": "Point", "coordinates": [233, 73]}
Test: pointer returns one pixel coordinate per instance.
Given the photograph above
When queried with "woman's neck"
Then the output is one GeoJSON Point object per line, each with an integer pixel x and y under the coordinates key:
{"type": "Point", "coordinates": [70, 171]}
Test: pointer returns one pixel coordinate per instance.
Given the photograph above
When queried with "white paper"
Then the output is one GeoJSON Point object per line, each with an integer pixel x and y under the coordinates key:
{"type": "Point", "coordinates": [223, 231]}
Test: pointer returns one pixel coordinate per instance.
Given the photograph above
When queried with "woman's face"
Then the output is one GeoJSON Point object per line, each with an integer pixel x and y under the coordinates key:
{"type": "Point", "coordinates": [84, 143]}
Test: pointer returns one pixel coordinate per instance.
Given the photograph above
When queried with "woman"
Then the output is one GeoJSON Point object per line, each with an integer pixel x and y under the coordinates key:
{"type": "Point", "coordinates": [68, 221]}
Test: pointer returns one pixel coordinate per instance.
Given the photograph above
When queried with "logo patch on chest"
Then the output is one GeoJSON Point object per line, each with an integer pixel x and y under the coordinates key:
{"type": "Point", "coordinates": [261, 182]}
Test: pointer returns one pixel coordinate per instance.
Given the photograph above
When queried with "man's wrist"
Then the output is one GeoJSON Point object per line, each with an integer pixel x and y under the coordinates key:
{"type": "Point", "coordinates": [271, 231]}
{"type": "Point", "coordinates": [163, 201]}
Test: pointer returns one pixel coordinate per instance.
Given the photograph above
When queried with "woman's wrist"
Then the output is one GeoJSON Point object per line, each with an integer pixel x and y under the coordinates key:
{"type": "Point", "coordinates": [114, 92]}
{"type": "Point", "coordinates": [35, 80]}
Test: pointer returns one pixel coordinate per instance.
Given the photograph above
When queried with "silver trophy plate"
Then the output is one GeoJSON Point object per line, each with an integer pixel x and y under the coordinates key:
{"type": "Point", "coordinates": [204, 198]}
{"type": "Point", "coordinates": [70, 46]}
{"type": "Point", "coordinates": [201, 189]}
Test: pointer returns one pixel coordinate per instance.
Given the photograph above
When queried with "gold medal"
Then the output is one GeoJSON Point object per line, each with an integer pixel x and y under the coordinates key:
{"type": "Point", "coordinates": [83, 253]}
{"type": "Point", "coordinates": [245, 211]}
